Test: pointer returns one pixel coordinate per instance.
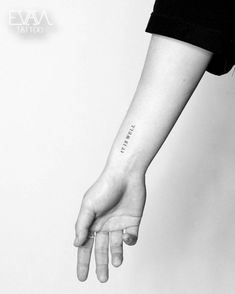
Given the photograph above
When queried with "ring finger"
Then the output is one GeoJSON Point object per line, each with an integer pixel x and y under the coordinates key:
{"type": "Point", "coordinates": [116, 247]}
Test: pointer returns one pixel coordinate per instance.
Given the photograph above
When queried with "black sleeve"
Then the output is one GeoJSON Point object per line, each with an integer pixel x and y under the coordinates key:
{"type": "Point", "coordinates": [204, 23]}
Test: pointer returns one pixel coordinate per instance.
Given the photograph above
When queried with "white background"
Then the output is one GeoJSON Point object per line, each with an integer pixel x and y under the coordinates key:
{"type": "Point", "coordinates": [62, 99]}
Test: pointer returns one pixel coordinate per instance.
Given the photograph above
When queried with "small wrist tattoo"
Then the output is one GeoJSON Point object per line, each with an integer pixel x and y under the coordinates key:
{"type": "Point", "coordinates": [127, 139]}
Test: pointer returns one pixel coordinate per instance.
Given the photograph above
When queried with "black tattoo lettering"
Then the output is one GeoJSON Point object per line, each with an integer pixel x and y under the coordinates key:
{"type": "Point", "coordinates": [127, 138]}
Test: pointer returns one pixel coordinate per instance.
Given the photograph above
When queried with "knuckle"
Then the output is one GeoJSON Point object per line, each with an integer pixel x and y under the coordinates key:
{"type": "Point", "coordinates": [116, 248]}
{"type": "Point", "coordinates": [116, 244]}
{"type": "Point", "coordinates": [117, 255]}
{"type": "Point", "coordinates": [101, 250]}
{"type": "Point", "coordinates": [83, 265]}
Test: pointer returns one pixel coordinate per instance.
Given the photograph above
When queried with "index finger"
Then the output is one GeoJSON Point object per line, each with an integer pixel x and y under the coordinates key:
{"type": "Point", "coordinates": [85, 219]}
{"type": "Point", "coordinates": [83, 259]}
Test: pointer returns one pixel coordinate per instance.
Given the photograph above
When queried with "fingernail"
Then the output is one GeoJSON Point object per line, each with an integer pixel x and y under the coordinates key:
{"type": "Point", "coordinates": [76, 241]}
{"type": "Point", "coordinates": [116, 261]}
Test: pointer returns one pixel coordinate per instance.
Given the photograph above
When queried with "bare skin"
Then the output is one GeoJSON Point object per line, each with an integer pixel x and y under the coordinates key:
{"type": "Point", "coordinates": [113, 206]}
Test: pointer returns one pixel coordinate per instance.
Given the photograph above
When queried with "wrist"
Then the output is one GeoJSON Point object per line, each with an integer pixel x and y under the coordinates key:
{"type": "Point", "coordinates": [124, 168]}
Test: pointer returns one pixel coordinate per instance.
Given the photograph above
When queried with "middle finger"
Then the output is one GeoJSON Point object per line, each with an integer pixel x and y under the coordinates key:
{"type": "Point", "coordinates": [102, 255]}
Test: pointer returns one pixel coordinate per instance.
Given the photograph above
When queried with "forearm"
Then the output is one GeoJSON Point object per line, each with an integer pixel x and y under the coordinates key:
{"type": "Point", "coordinates": [171, 72]}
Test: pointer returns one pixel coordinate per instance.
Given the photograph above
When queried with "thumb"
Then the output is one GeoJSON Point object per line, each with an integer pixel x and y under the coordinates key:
{"type": "Point", "coordinates": [85, 219]}
{"type": "Point", "coordinates": [130, 236]}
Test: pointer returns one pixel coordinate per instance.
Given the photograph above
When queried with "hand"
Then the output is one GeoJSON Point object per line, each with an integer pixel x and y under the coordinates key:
{"type": "Point", "coordinates": [112, 208]}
